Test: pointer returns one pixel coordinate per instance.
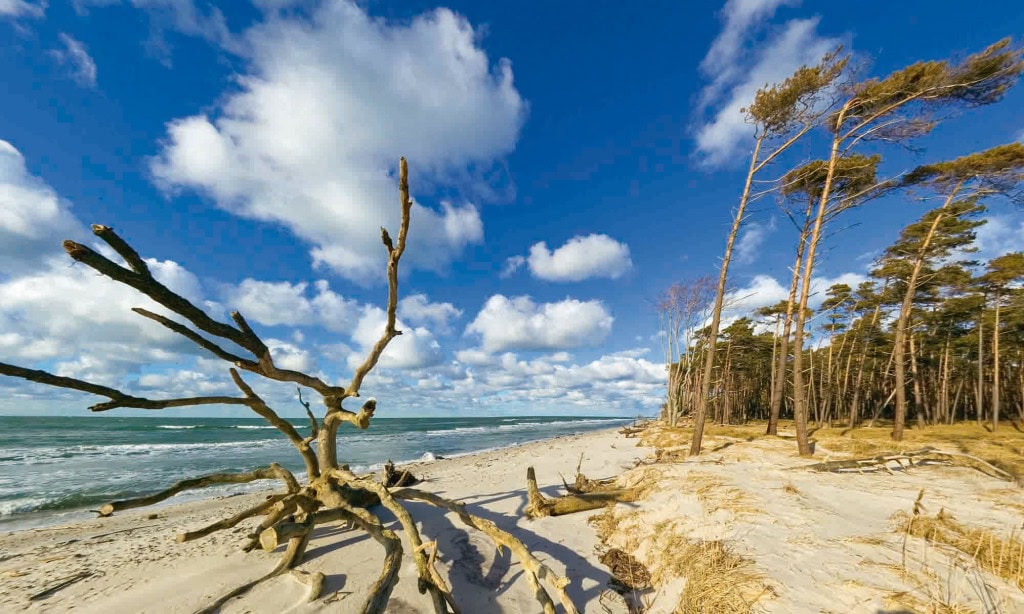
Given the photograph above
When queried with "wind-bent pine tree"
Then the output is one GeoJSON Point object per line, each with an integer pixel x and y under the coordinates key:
{"type": "Point", "coordinates": [894, 109]}
{"type": "Point", "coordinates": [1003, 272]}
{"type": "Point", "coordinates": [961, 182]}
{"type": "Point", "coordinates": [855, 175]}
{"type": "Point", "coordinates": [784, 112]}
{"type": "Point", "coordinates": [331, 493]}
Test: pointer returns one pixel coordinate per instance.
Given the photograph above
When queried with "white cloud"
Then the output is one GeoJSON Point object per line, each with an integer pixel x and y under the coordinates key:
{"type": "Point", "coordinates": [739, 18]}
{"type": "Point", "coordinates": [182, 16]}
{"type": "Point", "coordinates": [512, 265]}
{"type": "Point", "coordinates": [740, 62]}
{"type": "Point", "coordinates": [415, 348]}
{"type": "Point", "coordinates": [592, 256]}
{"type": "Point", "coordinates": [288, 304]}
{"type": "Point", "coordinates": [311, 136]}
{"type": "Point", "coordinates": [418, 310]}
{"type": "Point", "coordinates": [750, 242]}
{"type": "Point", "coordinates": [71, 313]}
{"type": "Point", "coordinates": [22, 8]}
{"type": "Point", "coordinates": [1000, 235]}
{"type": "Point", "coordinates": [33, 219]}
{"type": "Point", "coordinates": [765, 290]}
{"type": "Point", "coordinates": [520, 324]}
{"type": "Point", "coordinates": [76, 56]}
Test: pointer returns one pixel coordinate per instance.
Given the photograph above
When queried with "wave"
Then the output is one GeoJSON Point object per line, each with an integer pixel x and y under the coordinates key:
{"type": "Point", "coordinates": [35, 456]}
{"type": "Point", "coordinates": [25, 504]}
{"type": "Point", "coordinates": [254, 426]}
{"type": "Point", "coordinates": [177, 426]}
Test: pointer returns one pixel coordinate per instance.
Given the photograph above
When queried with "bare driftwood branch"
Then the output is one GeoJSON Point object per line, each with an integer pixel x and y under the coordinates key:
{"type": "Point", "coordinates": [914, 458]}
{"type": "Point", "coordinates": [394, 255]}
{"type": "Point", "coordinates": [539, 506]}
{"type": "Point", "coordinates": [117, 398]}
{"type": "Point", "coordinates": [266, 473]}
{"type": "Point", "coordinates": [536, 571]}
{"type": "Point", "coordinates": [227, 523]}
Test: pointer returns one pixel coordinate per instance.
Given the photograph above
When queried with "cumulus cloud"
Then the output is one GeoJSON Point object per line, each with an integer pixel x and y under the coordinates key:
{"type": "Point", "coordinates": [33, 219]}
{"type": "Point", "coordinates": [22, 8]}
{"type": "Point", "coordinates": [743, 59]}
{"type": "Point", "coordinates": [311, 135]}
{"type": "Point", "coordinates": [592, 256]}
{"type": "Point", "coordinates": [415, 348]}
{"type": "Point", "coordinates": [519, 323]}
{"type": "Point", "coordinates": [76, 57]}
{"type": "Point", "coordinates": [765, 290]}
{"type": "Point", "coordinates": [999, 235]}
{"type": "Point", "coordinates": [618, 382]}
{"type": "Point", "coordinates": [418, 310]}
{"type": "Point", "coordinates": [70, 312]}
{"type": "Point", "coordinates": [288, 304]}
{"type": "Point", "coordinates": [750, 242]}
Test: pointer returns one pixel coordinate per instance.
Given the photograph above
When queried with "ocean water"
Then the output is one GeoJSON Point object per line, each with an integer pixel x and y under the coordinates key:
{"type": "Point", "coordinates": [54, 469]}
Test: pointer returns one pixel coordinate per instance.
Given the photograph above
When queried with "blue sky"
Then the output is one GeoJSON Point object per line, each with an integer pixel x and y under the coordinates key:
{"type": "Point", "coordinates": [569, 161]}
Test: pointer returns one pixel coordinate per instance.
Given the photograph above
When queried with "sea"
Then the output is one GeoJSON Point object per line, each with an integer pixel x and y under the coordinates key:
{"type": "Point", "coordinates": [53, 470]}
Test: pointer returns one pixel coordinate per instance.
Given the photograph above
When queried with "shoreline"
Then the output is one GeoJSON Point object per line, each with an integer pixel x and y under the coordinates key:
{"type": "Point", "coordinates": [137, 566]}
{"type": "Point", "coordinates": [35, 519]}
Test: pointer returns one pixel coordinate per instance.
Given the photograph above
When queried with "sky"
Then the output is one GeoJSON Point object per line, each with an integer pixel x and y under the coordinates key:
{"type": "Point", "coordinates": [569, 161]}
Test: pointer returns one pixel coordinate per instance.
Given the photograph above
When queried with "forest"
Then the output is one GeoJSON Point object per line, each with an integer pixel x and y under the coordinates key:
{"type": "Point", "coordinates": [934, 335]}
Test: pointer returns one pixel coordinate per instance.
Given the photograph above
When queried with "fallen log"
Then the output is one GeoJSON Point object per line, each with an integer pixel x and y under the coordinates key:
{"type": "Point", "coordinates": [913, 458]}
{"type": "Point", "coordinates": [539, 506]}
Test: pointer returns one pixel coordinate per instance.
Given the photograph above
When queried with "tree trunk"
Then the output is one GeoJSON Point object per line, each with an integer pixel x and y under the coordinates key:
{"type": "Point", "coordinates": [799, 402]}
{"type": "Point", "coordinates": [779, 388]}
{"type": "Point", "coordinates": [995, 368]}
{"type": "Point", "coordinates": [980, 388]}
{"type": "Point", "coordinates": [700, 415]}
{"type": "Point", "coordinates": [904, 318]}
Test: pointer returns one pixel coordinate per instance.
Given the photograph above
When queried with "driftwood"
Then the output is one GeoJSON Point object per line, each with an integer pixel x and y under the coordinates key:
{"type": "Point", "coordinates": [582, 484]}
{"type": "Point", "coordinates": [914, 458]}
{"type": "Point", "coordinates": [330, 492]}
{"type": "Point", "coordinates": [538, 506]}
{"type": "Point", "coordinates": [396, 479]}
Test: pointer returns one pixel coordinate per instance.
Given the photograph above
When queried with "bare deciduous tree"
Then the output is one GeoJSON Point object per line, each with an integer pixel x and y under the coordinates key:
{"type": "Point", "coordinates": [331, 492]}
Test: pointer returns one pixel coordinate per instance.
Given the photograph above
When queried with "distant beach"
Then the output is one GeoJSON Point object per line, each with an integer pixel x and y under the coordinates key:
{"type": "Point", "coordinates": [54, 475]}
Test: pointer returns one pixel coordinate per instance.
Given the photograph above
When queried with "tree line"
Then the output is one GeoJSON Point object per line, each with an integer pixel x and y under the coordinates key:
{"type": "Point", "coordinates": [934, 335]}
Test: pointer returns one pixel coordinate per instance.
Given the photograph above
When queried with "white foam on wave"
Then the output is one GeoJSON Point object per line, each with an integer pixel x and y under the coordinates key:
{"type": "Point", "coordinates": [22, 505]}
{"type": "Point", "coordinates": [35, 456]}
{"type": "Point", "coordinates": [254, 426]}
{"type": "Point", "coordinates": [177, 426]}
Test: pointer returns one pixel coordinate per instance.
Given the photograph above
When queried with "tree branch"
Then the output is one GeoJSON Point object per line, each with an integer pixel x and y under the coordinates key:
{"type": "Point", "coordinates": [266, 473]}
{"type": "Point", "coordinates": [117, 398]}
{"type": "Point", "coordinates": [394, 255]}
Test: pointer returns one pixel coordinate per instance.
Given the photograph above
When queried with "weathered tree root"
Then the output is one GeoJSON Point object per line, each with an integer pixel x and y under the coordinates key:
{"type": "Point", "coordinates": [583, 484]}
{"type": "Point", "coordinates": [397, 479]}
{"type": "Point", "coordinates": [535, 570]}
{"type": "Point", "coordinates": [227, 523]}
{"type": "Point", "coordinates": [292, 557]}
{"type": "Point", "coordinates": [538, 506]}
{"type": "Point", "coordinates": [267, 473]}
{"type": "Point", "coordinates": [428, 578]}
{"type": "Point", "coordinates": [914, 458]}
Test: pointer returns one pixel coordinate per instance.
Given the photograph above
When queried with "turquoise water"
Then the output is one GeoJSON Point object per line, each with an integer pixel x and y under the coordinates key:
{"type": "Point", "coordinates": [54, 469]}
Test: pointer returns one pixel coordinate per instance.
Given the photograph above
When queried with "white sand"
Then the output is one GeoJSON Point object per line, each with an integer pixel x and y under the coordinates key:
{"type": "Point", "coordinates": [145, 570]}
{"type": "Point", "coordinates": [820, 542]}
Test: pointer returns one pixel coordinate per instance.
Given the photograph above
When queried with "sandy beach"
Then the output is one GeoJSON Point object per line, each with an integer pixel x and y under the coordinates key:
{"type": "Point", "coordinates": [744, 527]}
{"type": "Point", "coordinates": [137, 566]}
